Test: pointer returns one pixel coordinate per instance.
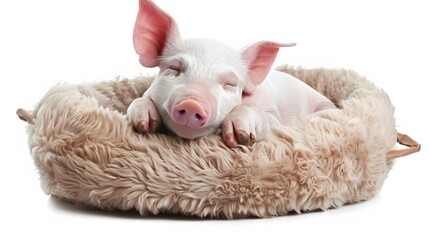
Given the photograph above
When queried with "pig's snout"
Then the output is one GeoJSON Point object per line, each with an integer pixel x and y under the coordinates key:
{"type": "Point", "coordinates": [191, 113]}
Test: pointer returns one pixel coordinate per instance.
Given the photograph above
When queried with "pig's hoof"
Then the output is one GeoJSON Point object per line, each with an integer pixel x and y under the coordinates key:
{"type": "Point", "coordinates": [252, 139]}
{"type": "Point", "coordinates": [230, 140]}
{"type": "Point", "coordinates": [153, 126]}
{"type": "Point", "coordinates": [245, 139]}
{"type": "Point", "coordinates": [141, 127]}
{"type": "Point", "coordinates": [144, 127]}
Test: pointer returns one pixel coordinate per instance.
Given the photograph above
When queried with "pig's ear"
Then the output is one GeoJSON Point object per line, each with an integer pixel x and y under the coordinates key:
{"type": "Point", "coordinates": [260, 57]}
{"type": "Point", "coordinates": [152, 30]}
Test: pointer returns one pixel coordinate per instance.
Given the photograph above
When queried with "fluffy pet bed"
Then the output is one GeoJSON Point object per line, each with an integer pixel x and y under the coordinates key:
{"type": "Point", "coordinates": [88, 153]}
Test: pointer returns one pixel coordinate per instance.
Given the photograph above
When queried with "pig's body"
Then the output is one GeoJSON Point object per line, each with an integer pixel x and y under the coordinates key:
{"type": "Point", "coordinates": [287, 97]}
{"type": "Point", "coordinates": [204, 84]}
{"type": "Point", "coordinates": [277, 100]}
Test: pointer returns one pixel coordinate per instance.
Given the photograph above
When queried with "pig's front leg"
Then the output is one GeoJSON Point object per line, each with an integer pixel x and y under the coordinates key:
{"type": "Point", "coordinates": [246, 124]}
{"type": "Point", "coordinates": [143, 115]}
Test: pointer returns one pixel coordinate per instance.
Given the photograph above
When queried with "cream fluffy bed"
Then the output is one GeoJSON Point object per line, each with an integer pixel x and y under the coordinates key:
{"type": "Point", "coordinates": [87, 153]}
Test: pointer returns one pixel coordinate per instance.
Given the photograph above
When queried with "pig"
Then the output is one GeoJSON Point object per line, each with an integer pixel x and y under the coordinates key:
{"type": "Point", "coordinates": [204, 85]}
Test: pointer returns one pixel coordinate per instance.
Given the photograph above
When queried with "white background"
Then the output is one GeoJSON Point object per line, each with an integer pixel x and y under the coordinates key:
{"type": "Point", "coordinates": [44, 42]}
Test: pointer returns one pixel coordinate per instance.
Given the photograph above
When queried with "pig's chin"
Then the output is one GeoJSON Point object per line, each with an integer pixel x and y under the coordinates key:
{"type": "Point", "coordinates": [184, 131]}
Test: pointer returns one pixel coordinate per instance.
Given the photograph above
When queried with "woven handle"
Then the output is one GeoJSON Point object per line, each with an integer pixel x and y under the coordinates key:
{"type": "Point", "coordinates": [405, 140]}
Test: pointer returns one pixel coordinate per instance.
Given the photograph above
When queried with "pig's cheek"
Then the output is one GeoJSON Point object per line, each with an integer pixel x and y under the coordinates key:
{"type": "Point", "coordinates": [163, 93]}
{"type": "Point", "coordinates": [212, 110]}
{"type": "Point", "coordinates": [227, 104]}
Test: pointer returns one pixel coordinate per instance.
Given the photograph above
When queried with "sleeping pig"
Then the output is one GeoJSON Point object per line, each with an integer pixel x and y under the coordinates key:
{"type": "Point", "coordinates": [204, 84]}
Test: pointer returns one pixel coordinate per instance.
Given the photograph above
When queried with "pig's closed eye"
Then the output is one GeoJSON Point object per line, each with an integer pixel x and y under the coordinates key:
{"type": "Point", "coordinates": [230, 85]}
{"type": "Point", "coordinates": [175, 70]}
{"type": "Point", "coordinates": [229, 81]}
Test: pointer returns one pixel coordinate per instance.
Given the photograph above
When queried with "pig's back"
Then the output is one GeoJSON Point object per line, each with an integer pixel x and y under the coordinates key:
{"type": "Point", "coordinates": [291, 96]}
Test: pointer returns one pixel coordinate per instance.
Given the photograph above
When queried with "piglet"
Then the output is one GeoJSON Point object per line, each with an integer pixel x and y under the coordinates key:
{"type": "Point", "coordinates": [204, 84]}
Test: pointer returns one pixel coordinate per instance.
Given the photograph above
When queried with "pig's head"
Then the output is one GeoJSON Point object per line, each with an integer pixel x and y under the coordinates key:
{"type": "Point", "coordinates": [200, 81]}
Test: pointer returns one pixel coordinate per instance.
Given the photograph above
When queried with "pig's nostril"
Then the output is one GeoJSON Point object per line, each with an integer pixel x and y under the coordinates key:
{"type": "Point", "coordinates": [198, 117]}
{"type": "Point", "coordinates": [182, 112]}
{"type": "Point", "coordinates": [190, 113]}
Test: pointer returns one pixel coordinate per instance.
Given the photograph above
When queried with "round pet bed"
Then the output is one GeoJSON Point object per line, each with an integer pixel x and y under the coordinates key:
{"type": "Point", "coordinates": [88, 153]}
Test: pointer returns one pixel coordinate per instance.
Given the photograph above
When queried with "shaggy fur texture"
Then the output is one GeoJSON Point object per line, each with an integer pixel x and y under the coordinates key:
{"type": "Point", "coordinates": [87, 152]}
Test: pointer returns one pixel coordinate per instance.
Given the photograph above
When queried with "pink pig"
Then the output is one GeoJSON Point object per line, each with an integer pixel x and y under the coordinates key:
{"type": "Point", "coordinates": [204, 84]}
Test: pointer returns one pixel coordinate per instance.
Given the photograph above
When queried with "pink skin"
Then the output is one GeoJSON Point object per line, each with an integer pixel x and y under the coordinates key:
{"type": "Point", "coordinates": [203, 85]}
{"type": "Point", "coordinates": [189, 112]}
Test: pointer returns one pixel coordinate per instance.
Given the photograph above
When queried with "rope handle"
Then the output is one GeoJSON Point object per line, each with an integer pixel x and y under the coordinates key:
{"type": "Point", "coordinates": [405, 140]}
{"type": "Point", "coordinates": [25, 115]}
